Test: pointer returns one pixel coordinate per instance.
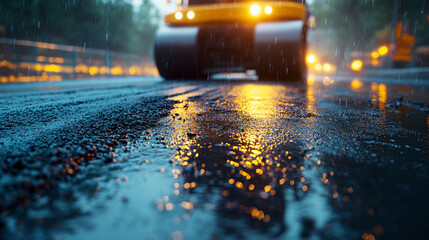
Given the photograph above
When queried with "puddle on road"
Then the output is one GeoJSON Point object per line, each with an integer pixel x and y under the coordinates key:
{"type": "Point", "coordinates": [231, 164]}
{"type": "Point", "coordinates": [258, 161]}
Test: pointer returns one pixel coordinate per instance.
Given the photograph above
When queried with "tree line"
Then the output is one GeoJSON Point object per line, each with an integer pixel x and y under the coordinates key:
{"type": "Point", "coordinates": [361, 25]}
{"type": "Point", "coordinates": [104, 24]}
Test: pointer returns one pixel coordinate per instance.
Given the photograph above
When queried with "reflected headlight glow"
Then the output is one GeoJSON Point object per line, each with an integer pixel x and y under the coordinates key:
{"type": "Point", "coordinates": [255, 9]}
{"type": "Point", "coordinates": [178, 15]}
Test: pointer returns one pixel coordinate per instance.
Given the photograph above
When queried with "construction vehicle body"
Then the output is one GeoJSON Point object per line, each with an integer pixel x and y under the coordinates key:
{"type": "Point", "coordinates": [205, 37]}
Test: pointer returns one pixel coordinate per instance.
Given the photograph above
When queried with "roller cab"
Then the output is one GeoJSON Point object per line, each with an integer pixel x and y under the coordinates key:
{"type": "Point", "coordinates": [205, 37]}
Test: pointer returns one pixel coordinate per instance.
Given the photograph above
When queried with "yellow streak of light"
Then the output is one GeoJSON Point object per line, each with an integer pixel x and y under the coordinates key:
{"type": "Point", "coordinates": [132, 71]}
{"type": "Point", "coordinates": [38, 67]}
{"type": "Point", "coordinates": [374, 86]}
{"type": "Point", "coordinates": [93, 70]}
{"type": "Point", "coordinates": [104, 70]}
{"type": "Point", "coordinates": [52, 68]}
{"type": "Point", "coordinates": [310, 99]}
{"type": "Point", "coordinates": [311, 80]}
{"type": "Point", "coordinates": [81, 68]}
{"type": "Point", "coordinates": [382, 96]}
{"type": "Point", "coordinates": [41, 59]}
{"type": "Point", "coordinates": [67, 69]}
{"type": "Point", "coordinates": [59, 60]}
{"type": "Point", "coordinates": [44, 77]}
{"type": "Point", "coordinates": [117, 70]}
{"type": "Point", "coordinates": [7, 64]}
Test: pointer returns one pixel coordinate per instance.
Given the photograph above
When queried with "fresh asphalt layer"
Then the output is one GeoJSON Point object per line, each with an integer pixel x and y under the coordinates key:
{"type": "Point", "coordinates": [142, 158]}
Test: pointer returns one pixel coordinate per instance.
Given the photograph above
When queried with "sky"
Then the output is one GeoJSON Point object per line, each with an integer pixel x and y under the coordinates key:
{"type": "Point", "coordinates": [161, 4]}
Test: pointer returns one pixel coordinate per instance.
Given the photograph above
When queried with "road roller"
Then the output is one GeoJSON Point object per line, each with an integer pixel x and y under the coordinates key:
{"type": "Point", "coordinates": [205, 37]}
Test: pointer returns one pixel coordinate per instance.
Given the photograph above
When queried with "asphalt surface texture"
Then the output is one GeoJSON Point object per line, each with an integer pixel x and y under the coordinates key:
{"type": "Point", "coordinates": [142, 158]}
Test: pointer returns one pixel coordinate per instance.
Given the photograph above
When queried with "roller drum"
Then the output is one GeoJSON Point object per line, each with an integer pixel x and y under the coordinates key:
{"type": "Point", "coordinates": [280, 51]}
{"type": "Point", "coordinates": [176, 52]}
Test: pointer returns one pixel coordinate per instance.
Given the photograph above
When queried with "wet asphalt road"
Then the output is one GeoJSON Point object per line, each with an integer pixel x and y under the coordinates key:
{"type": "Point", "coordinates": [140, 158]}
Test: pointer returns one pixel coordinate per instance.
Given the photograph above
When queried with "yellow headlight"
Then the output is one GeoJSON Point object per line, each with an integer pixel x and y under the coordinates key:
{"type": "Point", "coordinates": [179, 15]}
{"type": "Point", "coordinates": [311, 58]}
{"type": "Point", "coordinates": [255, 9]}
{"type": "Point", "coordinates": [191, 15]}
{"type": "Point", "coordinates": [268, 10]}
{"type": "Point", "coordinates": [327, 67]}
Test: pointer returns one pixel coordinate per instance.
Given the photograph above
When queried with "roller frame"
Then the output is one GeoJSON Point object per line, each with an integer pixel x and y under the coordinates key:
{"type": "Point", "coordinates": [279, 51]}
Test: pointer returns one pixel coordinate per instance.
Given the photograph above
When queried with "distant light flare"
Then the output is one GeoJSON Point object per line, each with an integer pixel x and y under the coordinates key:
{"type": "Point", "coordinates": [311, 58]}
{"type": "Point", "coordinates": [52, 68]}
{"type": "Point", "coordinates": [356, 65]}
{"type": "Point", "coordinates": [327, 81]}
{"type": "Point", "coordinates": [375, 62]}
{"type": "Point", "coordinates": [383, 50]}
{"type": "Point", "coordinates": [356, 84]}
